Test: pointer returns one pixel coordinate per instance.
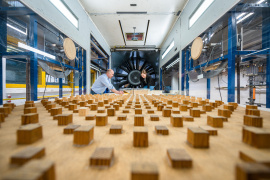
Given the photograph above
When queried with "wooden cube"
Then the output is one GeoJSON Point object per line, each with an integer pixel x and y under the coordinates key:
{"type": "Point", "coordinates": [83, 111]}
{"type": "Point", "coordinates": [50, 106]}
{"type": "Point", "coordinates": [30, 118]}
{"type": "Point", "coordinates": [116, 129]}
{"type": "Point", "coordinates": [27, 154]}
{"type": "Point", "coordinates": [100, 103]}
{"type": "Point", "coordinates": [140, 137]}
{"type": "Point", "coordinates": [102, 157]}
{"type": "Point", "coordinates": [56, 111]}
{"type": "Point", "coordinates": [25, 105]}
{"type": "Point", "coordinates": [169, 102]}
{"type": "Point", "coordinates": [101, 110]}
{"type": "Point", "coordinates": [183, 107]}
{"type": "Point", "coordinates": [27, 174]}
{"type": "Point", "coordinates": [147, 107]}
{"type": "Point", "coordinates": [160, 107]}
{"type": "Point", "coordinates": [215, 121]}
{"type": "Point", "coordinates": [194, 104]}
{"type": "Point", "coordinates": [254, 112]}
{"type": "Point", "coordinates": [250, 171]}
{"type": "Point", "coordinates": [175, 112]}
{"type": "Point", "coordinates": [90, 101]}
{"type": "Point", "coordinates": [229, 107]}
{"type": "Point", "coordinates": [82, 103]}
{"type": "Point", "coordinates": [214, 105]}
{"type": "Point", "coordinates": [116, 107]}
{"type": "Point", "coordinates": [65, 103]}
{"type": "Point", "coordinates": [176, 120]}
{"type": "Point", "coordinates": [256, 137]}
{"type": "Point", "coordinates": [138, 106]}
{"type": "Point", "coordinates": [163, 130]}
{"type": "Point", "coordinates": [111, 112]}
{"type": "Point", "coordinates": [234, 104]}
{"type": "Point", "coordinates": [125, 111]}
{"type": "Point", "coordinates": [185, 102]}
{"type": "Point", "coordinates": [195, 112]}
{"type": "Point", "coordinates": [251, 120]}
{"type": "Point", "coordinates": [94, 107]}
{"type": "Point", "coordinates": [29, 110]}
{"type": "Point", "coordinates": [175, 104]}
{"type": "Point", "coordinates": [251, 107]}
{"type": "Point", "coordinates": [122, 117]}
{"type": "Point", "coordinates": [2, 118]}
{"type": "Point", "coordinates": [198, 138]}
{"type": "Point", "coordinates": [70, 128]}
{"type": "Point", "coordinates": [218, 102]}
{"type": "Point", "coordinates": [101, 120]}
{"type": "Point", "coordinates": [166, 112]}
{"type": "Point", "coordinates": [188, 118]}
{"type": "Point", "coordinates": [65, 119]}
{"type": "Point", "coordinates": [224, 112]}
{"type": "Point", "coordinates": [150, 111]}
{"type": "Point", "coordinates": [179, 158]}
{"type": "Point", "coordinates": [138, 120]}
{"type": "Point", "coordinates": [71, 107]}
{"type": "Point", "coordinates": [76, 111]}
{"type": "Point", "coordinates": [255, 156]}
{"type": "Point", "coordinates": [154, 117]}
{"type": "Point", "coordinates": [144, 171]}
{"type": "Point", "coordinates": [138, 111]}
{"type": "Point", "coordinates": [28, 134]}
{"type": "Point", "coordinates": [207, 108]}
{"type": "Point", "coordinates": [90, 117]}
{"type": "Point", "coordinates": [212, 131]}
{"type": "Point", "coordinates": [83, 135]}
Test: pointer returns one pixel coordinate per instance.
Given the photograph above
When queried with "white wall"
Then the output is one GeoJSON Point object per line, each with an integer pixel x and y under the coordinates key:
{"type": "Point", "coordinates": [175, 81]}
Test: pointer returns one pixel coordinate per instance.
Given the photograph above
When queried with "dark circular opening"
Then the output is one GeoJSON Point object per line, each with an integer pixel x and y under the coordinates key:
{"type": "Point", "coordinates": [134, 77]}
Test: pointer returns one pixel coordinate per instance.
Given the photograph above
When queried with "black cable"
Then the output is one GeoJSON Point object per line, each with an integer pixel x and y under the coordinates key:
{"type": "Point", "coordinates": [219, 89]}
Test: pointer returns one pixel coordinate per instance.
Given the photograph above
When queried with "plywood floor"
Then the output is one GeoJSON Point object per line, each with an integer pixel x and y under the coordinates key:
{"type": "Point", "coordinates": [72, 162]}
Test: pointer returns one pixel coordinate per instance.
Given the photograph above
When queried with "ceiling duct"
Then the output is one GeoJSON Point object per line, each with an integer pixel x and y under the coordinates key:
{"type": "Point", "coordinates": [52, 72]}
{"type": "Point", "coordinates": [130, 12]}
{"type": "Point", "coordinates": [98, 49]}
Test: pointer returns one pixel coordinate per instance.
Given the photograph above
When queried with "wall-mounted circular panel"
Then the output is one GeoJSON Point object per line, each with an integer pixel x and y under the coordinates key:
{"type": "Point", "coordinates": [134, 77]}
{"type": "Point", "coordinates": [196, 48]}
{"type": "Point", "coordinates": [69, 48]}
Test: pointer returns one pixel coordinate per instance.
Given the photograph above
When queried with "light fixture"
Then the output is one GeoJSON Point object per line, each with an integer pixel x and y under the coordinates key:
{"type": "Point", "coordinates": [168, 49]}
{"type": "Point", "coordinates": [241, 15]}
{"type": "Point", "coordinates": [261, 1]}
{"type": "Point", "coordinates": [25, 33]}
{"type": "Point", "coordinates": [21, 45]}
{"type": "Point", "coordinates": [245, 17]}
{"type": "Point", "coordinates": [65, 11]}
{"type": "Point", "coordinates": [199, 11]}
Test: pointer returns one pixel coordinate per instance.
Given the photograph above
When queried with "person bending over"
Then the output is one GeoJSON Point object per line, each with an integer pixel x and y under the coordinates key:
{"type": "Point", "coordinates": [147, 81]}
{"type": "Point", "coordinates": [102, 82]}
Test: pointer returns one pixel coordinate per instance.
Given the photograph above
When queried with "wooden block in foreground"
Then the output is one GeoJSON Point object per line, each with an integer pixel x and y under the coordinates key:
{"type": "Point", "coordinates": [251, 120]}
{"type": "Point", "coordinates": [101, 110]}
{"type": "Point", "coordinates": [154, 117]}
{"type": "Point", "coordinates": [179, 158]}
{"type": "Point", "coordinates": [251, 107]}
{"type": "Point", "coordinates": [56, 111]}
{"type": "Point", "coordinates": [140, 137]}
{"type": "Point", "coordinates": [255, 156]}
{"type": "Point", "coordinates": [188, 118]}
{"type": "Point", "coordinates": [122, 117]}
{"type": "Point", "coordinates": [139, 120]}
{"type": "Point", "coordinates": [215, 121]}
{"type": "Point", "coordinates": [198, 138]}
{"type": "Point", "coordinates": [116, 129]}
{"type": "Point", "coordinates": [183, 107]}
{"type": "Point", "coordinates": [101, 119]}
{"type": "Point", "coordinates": [235, 105]}
{"type": "Point", "coordinates": [102, 157]}
{"type": "Point", "coordinates": [166, 112]}
{"type": "Point", "coordinates": [30, 118]}
{"type": "Point", "coordinates": [212, 131]}
{"type": "Point", "coordinates": [71, 107]}
{"type": "Point", "coordinates": [28, 134]}
{"type": "Point", "coordinates": [111, 112]}
{"type": "Point", "coordinates": [65, 119]}
{"type": "Point", "coordinates": [125, 110]}
{"type": "Point", "coordinates": [250, 171]}
{"type": "Point", "coordinates": [30, 110]}
{"type": "Point", "coordinates": [163, 130]}
{"type": "Point", "coordinates": [138, 111]}
{"type": "Point", "coordinates": [70, 128]}
{"type": "Point", "coordinates": [150, 111]}
{"type": "Point", "coordinates": [2, 118]}
{"type": "Point", "coordinates": [116, 107]}
{"type": "Point", "coordinates": [176, 120]}
{"type": "Point", "coordinates": [256, 137]}
{"type": "Point", "coordinates": [254, 112]}
{"type": "Point", "coordinates": [83, 111]}
{"type": "Point", "coordinates": [26, 155]}
{"type": "Point", "coordinates": [195, 112]}
{"type": "Point", "coordinates": [207, 108]}
{"type": "Point", "coordinates": [224, 112]}
{"type": "Point", "coordinates": [90, 117]}
{"type": "Point", "coordinates": [175, 112]}
{"type": "Point", "coordinates": [229, 107]}
{"type": "Point", "coordinates": [83, 135]}
{"type": "Point", "coordinates": [144, 171]}
{"type": "Point", "coordinates": [160, 107]}
{"type": "Point", "coordinates": [94, 107]}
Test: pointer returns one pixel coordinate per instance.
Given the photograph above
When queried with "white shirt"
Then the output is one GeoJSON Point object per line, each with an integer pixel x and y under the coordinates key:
{"type": "Point", "coordinates": [101, 83]}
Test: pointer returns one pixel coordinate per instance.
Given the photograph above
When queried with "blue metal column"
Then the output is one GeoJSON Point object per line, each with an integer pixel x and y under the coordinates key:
{"type": "Point", "coordinates": [33, 58]}
{"type": "Point", "coordinates": [60, 87]}
{"type": "Point", "coordinates": [208, 88]}
{"type": "Point", "coordinates": [3, 47]}
{"type": "Point", "coordinates": [84, 71]}
{"type": "Point", "coordinates": [187, 69]}
{"type": "Point", "coordinates": [266, 44]}
{"type": "Point", "coordinates": [231, 57]}
{"type": "Point", "coordinates": [80, 72]}
{"type": "Point", "coordinates": [183, 72]}
{"type": "Point", "coordinates": [160, 79]}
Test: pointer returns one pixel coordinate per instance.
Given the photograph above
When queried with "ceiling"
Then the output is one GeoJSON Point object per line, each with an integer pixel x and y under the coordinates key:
{"type": "Point", "coordinates": [162, 15]}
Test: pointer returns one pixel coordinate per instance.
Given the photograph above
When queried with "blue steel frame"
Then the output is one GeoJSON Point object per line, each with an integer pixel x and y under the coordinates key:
{"type": "Point", "coordinates": [80, 72]}
{"type": "Point", "coordinates": [183, 72]}
{"type": "Point", "coordinates": [208, 88]}
{"type": "Point", "coordinates": [84, 71]}
{"type": "Point", "coordinates": [60, 87]}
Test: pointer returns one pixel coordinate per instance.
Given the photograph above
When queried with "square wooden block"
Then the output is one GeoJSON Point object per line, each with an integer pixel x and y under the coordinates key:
{"type": "Point", "coordinates": [101, 110]}
{"type": "Point", "coordinates": [2, 118]}
{"type": "Point", "coordinates": [83, 135]}
{"type": "Point", "coordinates": [175, 104]}
{"type": "Point", "coordinates": [28, 134]}
{"type": "Point", "coordinates": [65, 119]}
{"type": "Point", "coordinates": [50, 106]}
{"type": "Point", "coordinates": [71, 107]}
{"type": "Point", "coordinates": [251, 107]}
{"type": "Point", "coordinates": [94, 107]}
{"type": "Point", "coordinates": [111, 112]}
{"type": "Point", "coordinates": [256, 137]}
{"type": "Point", "coordinates": [160, 107]}
{"type": "Point", "coordinates": [102, 157]}
{"type": "Point", "coordinates": [90, 101]}
{"type": "Point", "coordinates": [90, 117]}
{"type": "Point", "coordinates": [82, 103]}
{"type": "Point", "coordinates": [212, 131]}
{"type": "Point", "coordinates": [147, 107]}
{"type": "Point", "coordinates": [122, 117]}
{"type": "Point", "coordinates": [56, 111]}
{"type": "Point", "coordinates": [185, 102]}
{"type": "Point", "coordinates": [65, 103]}
{"type": "Point", "coordinates": [126, 111]}
{"type": "Point", "coordinates": [229, 107]}
{"type": "Point", "coordinates": [250, 171]}
{"type": "Point", "coordinates": [163, 130]}
{"type": "Point", "coordinates": [176, 120]}
{"type": "Point", "coordinates": [70, 128]}
{"type": "Point", "coordinates": [140, 137]}
{"type": "Point", "coordinates": [188, 118]}
{"type": "Point", "coordinates": [30, 118]}
{"type": "Point", "coordinates": [179, 158]}
{"type": "Point", "coordinates": [154, 117]}
{"type": "Point", "coordinates": [166, 112]}
{"type": "Point", "coordinates": [183, 107]}
{"type": "Point", "coordinates": [28, 110]}
{"type": "Point", "coordinates": [138, 106]}
{"type": "Point", "coordinates": [215, 121]}
{"type": "Point", "coordinates": [100, 103]}
{"type": "Point", "coordinates": [116, 129]}
{"type": "Point", "coordinates": [195, 112]}
{"type": "Point", "coordinates": [27, 154]}
{"type": "Point", "coordinates": [144, 171]}
{"type": "Point", "coordinates": [224, 112]}
{"type": "Point", "coordinates": [138, 111]}
{"type": "Point", "coordinates": [175, 112]}
{"type": "Point", "coordinates": [198, 138]}
{"type": "Point", "coordinates": [251, 120]}
{"type": "Point", "coordinates": [213, 104]}
{"type": "Point", "coordinates": [218, 102]}
{"type": "Point", "coordinates": [254, 112]}
{"type": "Point", "coordinates": [194, 104]}
{"type": "Point", "coordinates": [234, 104]}
{"type": "Point", "coordinates": [150, 111]}
{"type": "Point", "coordinates": [169, 102]}
{"type": "Point", "coordinates": [116, 107]}
{"type": "Point", "coordinates": [101, 119]}
{"type": "Point", "coordinates": [138, 120]}
{"type": "Point", "coordinates": [207, 108]}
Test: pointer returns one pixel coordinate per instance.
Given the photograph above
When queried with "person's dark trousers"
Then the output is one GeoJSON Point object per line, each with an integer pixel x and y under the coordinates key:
{"type": "Point", "coordinates": [92, 92]}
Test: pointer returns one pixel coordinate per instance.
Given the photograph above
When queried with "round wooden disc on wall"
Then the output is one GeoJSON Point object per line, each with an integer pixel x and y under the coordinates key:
{"type": "Point", "coordinates": [69, 48]}
{"type": "Point", "coordinates": [196, 48]}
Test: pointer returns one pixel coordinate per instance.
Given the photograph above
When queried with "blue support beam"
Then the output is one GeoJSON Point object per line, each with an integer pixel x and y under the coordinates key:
{"type": "Point", "coordinates": [60, 87]}
{"type": "Point", "coordinates": [183, 71]}
{"type": "Point", "coordinates": [210, 62]}
{"type": "Point", "coordinates": [80, 72]}
{"type": "Point", "coordinates": [187, 69]}
{"type": "Point", "coordinates": [231, 57]}
{"type": "Point", "coordinates": [253, 52]}
{"type": "Point", "coordinates": [208, 88]}
{"type": "Point", "coordinates": [160, 79]}
{"type": "Point", "coordinates": [33, 58]}
{"type": "Point", "coordinates": [84, 71]}
{"type": "Point", "coordinates": [17, 11]}
{"type": "Point", "coordinates": [266, 45]}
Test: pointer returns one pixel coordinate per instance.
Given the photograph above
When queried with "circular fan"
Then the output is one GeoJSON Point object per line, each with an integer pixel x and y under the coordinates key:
{"type": "Point", "coordinates": [196, 48]}
{"type": "Point", "coordinates": [134, 77]}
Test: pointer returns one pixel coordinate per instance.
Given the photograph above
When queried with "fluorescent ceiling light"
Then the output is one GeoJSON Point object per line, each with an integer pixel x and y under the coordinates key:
{"type": "Point", "coordinates": [241, 15]}
{"type": "Point", "coordinates": [65, 11]}
{"type": "Point", "coordinates": [25, 33]}
{"type": "Point", "coordinates": [199, 11]}
{"type": "Point", "coordinates": [168, 50]}
{"type": "Point", "coordinates": [245, 17]}
{"type": "Point", "coordinates": [21, 45]}
{"type": "Point", "coordinates": [261, 1]}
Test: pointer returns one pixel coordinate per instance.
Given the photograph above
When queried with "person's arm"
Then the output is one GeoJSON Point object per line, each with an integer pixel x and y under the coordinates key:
{"type": "Point", "coordinates": [117, 92]}
{"type": "Point", "coordinates": [109, 85]}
